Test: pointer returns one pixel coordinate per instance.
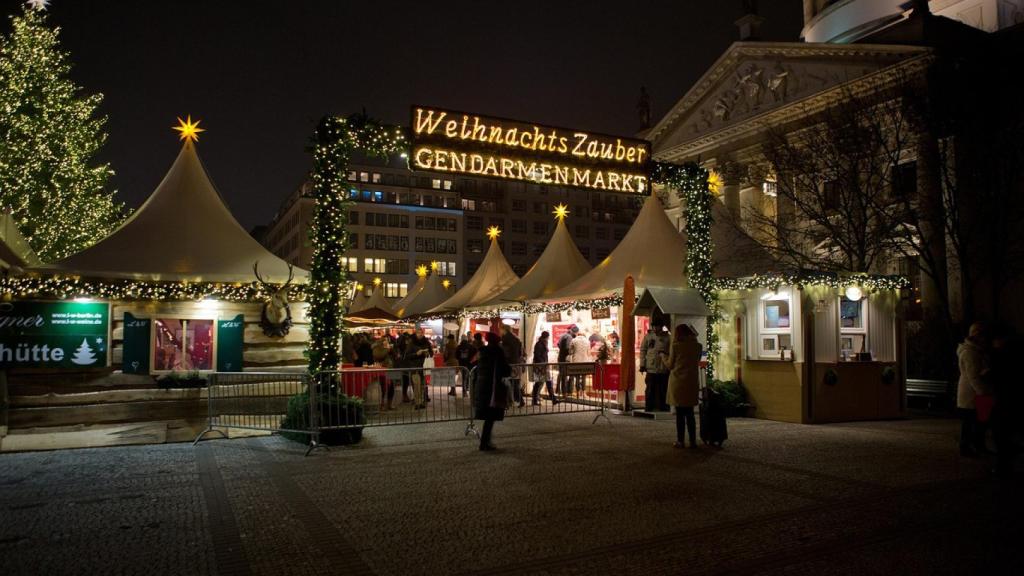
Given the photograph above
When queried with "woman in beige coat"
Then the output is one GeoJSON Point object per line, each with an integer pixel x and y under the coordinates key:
{"type": "Point", "coordinates": [683, 382]}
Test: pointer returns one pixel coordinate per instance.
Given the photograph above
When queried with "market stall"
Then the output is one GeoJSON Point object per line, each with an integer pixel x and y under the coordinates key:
{"type": "Point", "coordinates": [653, 254]}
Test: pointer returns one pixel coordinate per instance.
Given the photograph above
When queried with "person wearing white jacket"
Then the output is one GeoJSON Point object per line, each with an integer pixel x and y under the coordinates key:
{"type": "Point", "coordinates": [579, 351]}
{"type": "Point", "coordinates": [971, 356]}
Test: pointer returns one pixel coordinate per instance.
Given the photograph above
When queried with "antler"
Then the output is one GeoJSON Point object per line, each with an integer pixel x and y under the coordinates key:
{"type": "Point", "coordinates": [256, 271]}
{"type": "Point", "coordinates": [291, 274]}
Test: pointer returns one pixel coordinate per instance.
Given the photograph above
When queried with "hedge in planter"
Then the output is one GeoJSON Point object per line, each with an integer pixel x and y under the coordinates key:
{"type": "Point", "coordinates": [734, 397]}
{"type": "Point", "coordinates": [334, 410]}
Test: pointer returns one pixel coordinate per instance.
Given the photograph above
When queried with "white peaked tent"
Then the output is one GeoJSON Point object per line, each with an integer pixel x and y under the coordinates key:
{"type": "Point", "coordinates": [184, 231]}
{"type": "Point", "coordinates": [14, 249]}
{"type": "Point", "coordinates": [653, 252]}
{"type": "Point", "coordinates": [560, 264]}
{"type": "Point", "coordinates": [358, 302]}
{"type": "Point", "coordinates": [421, 281]}
{"type": "Point", "coordinates": [492, 278]}
{"type": "Point", "coordinates": [375, 308]}
{"type": "Point", "coordinates": [432, 294]}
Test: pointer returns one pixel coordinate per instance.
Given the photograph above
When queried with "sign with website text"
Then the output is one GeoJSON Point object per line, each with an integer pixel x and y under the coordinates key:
{"type": "Point", "coordinates": [54, 334]}
{"type": "Point", "coordinates": [448, 141]}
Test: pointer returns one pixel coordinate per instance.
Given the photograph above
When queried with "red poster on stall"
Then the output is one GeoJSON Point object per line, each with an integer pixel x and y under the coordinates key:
{"type": "Point", "coordinates": [556, 332]}
{"type": "Point", "coordinates": [607, 377]}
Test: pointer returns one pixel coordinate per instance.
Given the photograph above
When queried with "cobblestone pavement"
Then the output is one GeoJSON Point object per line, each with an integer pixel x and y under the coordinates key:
{"type": "Point", "coordinates": [561, 496]}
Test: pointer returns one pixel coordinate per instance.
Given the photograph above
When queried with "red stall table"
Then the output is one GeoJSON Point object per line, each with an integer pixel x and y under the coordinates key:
{"type": "Point", "coordinates": [355, 381]}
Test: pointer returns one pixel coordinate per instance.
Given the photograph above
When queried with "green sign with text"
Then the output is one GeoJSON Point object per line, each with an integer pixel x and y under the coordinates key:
{"type": "Point", "coordinates": [54, 334]}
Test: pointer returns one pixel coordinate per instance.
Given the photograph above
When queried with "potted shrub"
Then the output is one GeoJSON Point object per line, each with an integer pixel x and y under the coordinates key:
{"type": "Point", "coordinates": [334, 410]}
{"type": "Point", "coordinates": [733, 396]}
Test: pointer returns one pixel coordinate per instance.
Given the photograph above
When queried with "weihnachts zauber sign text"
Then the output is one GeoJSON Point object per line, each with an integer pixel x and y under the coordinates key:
{"type": "Point", "coordinates": [53, 334]}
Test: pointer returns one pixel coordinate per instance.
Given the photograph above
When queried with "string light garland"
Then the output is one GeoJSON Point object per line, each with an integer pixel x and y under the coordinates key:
{"type": "Point", "coordinates": [70, 287]}
{"type": "Point", "coordinates": [333, 143]}
{"type": "Point", "coordinates": [694, 186]}
{"type": "Point", "coordinates": [870, 282]}
{"type": "Point", "coordinates": [50, 181]}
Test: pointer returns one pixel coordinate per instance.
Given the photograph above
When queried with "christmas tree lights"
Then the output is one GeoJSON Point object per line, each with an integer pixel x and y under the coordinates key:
{"type": "Point", "coordinates": [694, 186]}
{"type": "Point", "coordinates": [333, 142]}
{"type": "Point", "coordinates": [49, 136]}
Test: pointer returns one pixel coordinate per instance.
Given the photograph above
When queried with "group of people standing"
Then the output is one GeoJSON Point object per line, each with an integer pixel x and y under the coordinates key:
{"type": "Point", "coordinates": [407, 350]}
{"type": "Point", "coordinates": [986, 397]}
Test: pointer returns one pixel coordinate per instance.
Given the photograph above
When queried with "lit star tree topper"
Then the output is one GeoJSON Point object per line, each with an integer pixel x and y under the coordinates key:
{"type": "Point", "coordinates": [38, 5]}
{"type": "Point", "coordinates": [493, 232]}
{"type": "Point", "coordinates": [188, 130]}
{"type": "Point", "coordinates": [421, 270]}
{"type": "Point", "coordinates": [561, 211]}
{"type": "Point", "coordinates": [434, 266]}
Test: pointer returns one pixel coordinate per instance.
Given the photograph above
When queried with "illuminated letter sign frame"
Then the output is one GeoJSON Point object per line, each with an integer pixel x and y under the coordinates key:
{"type": "Point", "coordinates": [477, 145]}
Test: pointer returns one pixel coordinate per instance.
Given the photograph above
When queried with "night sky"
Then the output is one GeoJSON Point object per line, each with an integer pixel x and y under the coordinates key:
{"type": "Point", "coordinates": [260, 74]}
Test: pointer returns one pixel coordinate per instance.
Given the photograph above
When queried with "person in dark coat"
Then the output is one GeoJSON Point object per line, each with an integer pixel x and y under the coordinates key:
{"type": "Point", "coordinates": [364, 351]}
{"type": "Point", "coordinates": [564, 349]}
{"type": "Point", "coordinates": [541, 372]}
{"type": "Point", "coordinates": [491, 397]}
{"type": "Point", "coordinates": [513, 348]}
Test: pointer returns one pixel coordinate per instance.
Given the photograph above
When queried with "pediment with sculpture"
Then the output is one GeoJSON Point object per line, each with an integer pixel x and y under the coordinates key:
{"type": "Point", "coordinates": [750, 80]}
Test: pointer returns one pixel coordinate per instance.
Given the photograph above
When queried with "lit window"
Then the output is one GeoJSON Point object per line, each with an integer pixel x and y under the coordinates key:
{"type": "Point", "coordinates": [774, 325]}
{"type": "Point", "coordinates": [364, 177]}
{"type": "Point", "coordinates": [368, 265]}
{"type": "Point", "coordinates": [403, 290]}
{"type": "Point", "coordinates": [447, 184]}
{"type": "Point", "coordinates": [468, 204]}
{"type": "Point", "coordinates": [436, 184]}
{"type": "Point", "coordinates": [853, 333]}
{"type": "Point", "coordinates": [376, 177]}
{"type": "Point", "coordinates": [378, 196]}
{"type": "Point", "coordinates": [183, 345]}
{"type": "Point", "coordinates": [352, 175]}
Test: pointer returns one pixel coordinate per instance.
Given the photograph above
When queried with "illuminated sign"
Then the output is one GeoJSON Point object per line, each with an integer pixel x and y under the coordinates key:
{"type": "Point", "coordinates": [447, 141]}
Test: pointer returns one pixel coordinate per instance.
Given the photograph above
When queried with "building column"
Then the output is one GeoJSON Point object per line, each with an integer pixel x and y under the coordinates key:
{"type": "Point", "coordinates": [933, 230]}
{"type": "Point", "coordinates": [731, 175]}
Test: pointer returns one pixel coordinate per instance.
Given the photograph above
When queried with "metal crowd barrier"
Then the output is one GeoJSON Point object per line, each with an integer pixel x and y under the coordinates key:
{"type": "Point", "coordinates": [391, 396]}
{"type": "Point", "coordinates": [357, 398]}
{"type": "Point", "coordinates": [257, 401]}
{"type": "Point", "coordinates": [576, 387]}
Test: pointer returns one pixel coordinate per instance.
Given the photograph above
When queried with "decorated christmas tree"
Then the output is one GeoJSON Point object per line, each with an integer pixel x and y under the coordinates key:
{"type": "Point", "coordinates": [84, 355]}
{"type": "Point", "coordinates": [49, 136]}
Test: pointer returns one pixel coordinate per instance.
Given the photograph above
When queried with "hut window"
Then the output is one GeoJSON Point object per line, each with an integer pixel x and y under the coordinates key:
{"type": "Point", "coordinates": [853, 327]}
{"type": "Point", "coordinates": [774, 325]}
{"type": "Point", "coordinates": [183, 345]}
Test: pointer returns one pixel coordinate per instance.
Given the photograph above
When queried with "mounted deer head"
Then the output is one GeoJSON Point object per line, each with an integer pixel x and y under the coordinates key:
{"type": "Point", "coordinates": [276, 317]}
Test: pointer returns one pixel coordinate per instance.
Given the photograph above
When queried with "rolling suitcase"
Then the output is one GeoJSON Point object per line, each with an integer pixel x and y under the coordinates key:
{"type": "Point", "coordinates": [713, 429]}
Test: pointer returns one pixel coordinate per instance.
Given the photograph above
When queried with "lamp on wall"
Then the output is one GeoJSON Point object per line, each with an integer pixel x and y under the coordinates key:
{"type": "Point", "coordinates": [854, 293]}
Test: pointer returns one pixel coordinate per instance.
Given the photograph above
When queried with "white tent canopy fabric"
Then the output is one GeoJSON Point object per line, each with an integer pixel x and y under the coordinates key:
{"type": "Point", "coordinates": [358, 302]}
{"type": "Point", "coordinates": [653, 252]}
{"type": "Point", "coordinates": [378, 301]}
{"type": "Point", "coordinates": [560, 264]}
{"type": "Point", "coordinates": [432, 294]}
{"type": "Point", "coordinates": [421, 281]}
{"type": "Point", "coordinates": [184, 231]}
{"type": "Point", "coordinates": [15, 251]}
{"type": "Point", "coordinates": [492, 278]}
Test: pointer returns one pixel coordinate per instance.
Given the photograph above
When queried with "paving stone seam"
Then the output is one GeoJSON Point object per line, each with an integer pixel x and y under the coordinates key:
{"type": "Point", "coordinates": [223, 526]}
{"type": "Point", "coordinates": [332, 547]}
{"type": "Point", "coordinates": [673, 538]}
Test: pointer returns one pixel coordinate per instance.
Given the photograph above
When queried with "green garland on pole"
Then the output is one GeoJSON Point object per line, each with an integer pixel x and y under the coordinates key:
{"type": "Point", "coordinates": [333, 142]}
{"type": "Point", "coordinates": [690, 182]}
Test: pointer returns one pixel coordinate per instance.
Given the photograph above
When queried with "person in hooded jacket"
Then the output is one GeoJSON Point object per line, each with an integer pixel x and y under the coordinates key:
{"type": "Point", "coordinates": [971, 357]}
{"type": "Point", "coordinates": [492, 393]}
{"type": "Point", "coordinates": [684, 382]}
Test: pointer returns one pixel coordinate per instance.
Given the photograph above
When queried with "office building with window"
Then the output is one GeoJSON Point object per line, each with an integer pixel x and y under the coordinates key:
{"type": "Point", "coordinates": [403, 218]}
